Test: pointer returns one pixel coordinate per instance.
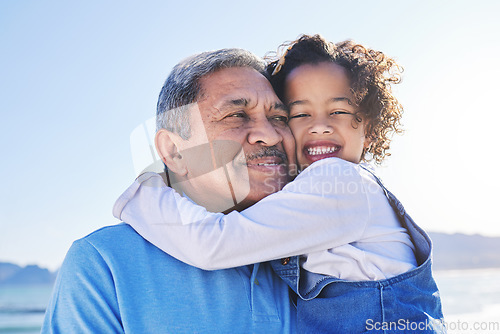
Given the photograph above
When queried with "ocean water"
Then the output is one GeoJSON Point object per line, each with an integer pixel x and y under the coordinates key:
{"type": "Point", "coordinates": [22, 308]}
{"type": "Point", "coordinates": [471, 300]}
{"type": "Point", "coordinates": [471, 303]}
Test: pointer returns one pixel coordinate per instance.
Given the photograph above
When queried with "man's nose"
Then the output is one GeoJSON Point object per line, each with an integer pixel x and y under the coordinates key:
{"type": "Point", "coordinates": [264, 133]}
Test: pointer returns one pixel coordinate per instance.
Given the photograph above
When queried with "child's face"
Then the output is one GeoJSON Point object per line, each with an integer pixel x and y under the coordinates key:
{"type": "Point", "coordinates": [322, 112]}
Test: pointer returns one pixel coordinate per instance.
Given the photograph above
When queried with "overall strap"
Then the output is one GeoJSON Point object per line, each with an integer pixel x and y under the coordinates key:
{"type": "Point", "coordinates": [419, 238]}
{"type": "Point", "coordinates": [395, 203]}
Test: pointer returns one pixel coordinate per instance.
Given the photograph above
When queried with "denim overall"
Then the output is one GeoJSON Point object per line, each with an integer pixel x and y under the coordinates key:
{"type": "Point", "coordinates": [407, 303]}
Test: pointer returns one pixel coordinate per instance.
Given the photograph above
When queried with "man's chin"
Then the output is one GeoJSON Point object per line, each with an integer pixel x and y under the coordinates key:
{"type": "Point", "coordinates": [260, 190]}
{"type": "Point", "coordinates": [240, 187]}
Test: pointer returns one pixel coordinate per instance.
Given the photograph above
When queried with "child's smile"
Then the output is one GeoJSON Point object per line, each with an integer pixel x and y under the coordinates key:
{"type": "Point", "coordinates": [323, 118]}
{"type": "Point", "coordinates": [320, 149]}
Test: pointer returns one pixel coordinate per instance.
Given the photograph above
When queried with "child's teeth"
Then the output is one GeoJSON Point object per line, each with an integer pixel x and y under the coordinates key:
{"type": "Point", "coordinates": [320, 150]}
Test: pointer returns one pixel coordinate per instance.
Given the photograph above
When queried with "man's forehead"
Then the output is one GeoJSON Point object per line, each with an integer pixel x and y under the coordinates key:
{"type": "Point", "coordinates": [234, 78]}
{"type": "Point", "coordinates": [271, 102]}
{"type": "Point", "coordinates": [243, 87]}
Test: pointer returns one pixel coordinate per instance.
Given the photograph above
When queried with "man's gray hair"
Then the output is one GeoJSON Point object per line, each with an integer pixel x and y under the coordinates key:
{"type": "Point", "coordinates": [182, 86]}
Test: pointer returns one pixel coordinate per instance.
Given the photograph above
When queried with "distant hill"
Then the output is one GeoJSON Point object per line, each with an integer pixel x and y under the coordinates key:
{"type": "Point", "coordinates": [461, 251]}
{"type": "Point", "coordinates": [13, 274]}
{"type": "Point", "coordinates": [7, 270]}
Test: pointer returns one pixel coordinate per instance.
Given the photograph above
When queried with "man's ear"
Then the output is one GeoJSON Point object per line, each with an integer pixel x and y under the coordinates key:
{"type": "Point", "coordinates": [167, 146]}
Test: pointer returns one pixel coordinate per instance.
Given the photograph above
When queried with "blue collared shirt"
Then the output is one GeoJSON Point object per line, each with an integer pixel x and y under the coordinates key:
{"type": "Point", "coordinates": [114, 281]}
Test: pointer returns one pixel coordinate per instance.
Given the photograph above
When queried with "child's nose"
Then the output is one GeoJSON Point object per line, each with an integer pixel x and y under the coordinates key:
{"type": "Point", "coordinates": [321, 127]}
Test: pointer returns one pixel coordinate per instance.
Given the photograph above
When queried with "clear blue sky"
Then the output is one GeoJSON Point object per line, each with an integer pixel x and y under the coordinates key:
{"type": "Point", "coordinates": [77, 77]}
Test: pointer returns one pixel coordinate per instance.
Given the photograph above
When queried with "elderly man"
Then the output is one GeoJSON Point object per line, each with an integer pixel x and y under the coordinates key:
{"type": "Point", "coordinates": [221, 128]}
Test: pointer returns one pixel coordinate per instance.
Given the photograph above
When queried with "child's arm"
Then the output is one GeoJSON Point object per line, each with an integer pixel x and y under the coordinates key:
{"type": "Point", "coordinates": [326, 206]}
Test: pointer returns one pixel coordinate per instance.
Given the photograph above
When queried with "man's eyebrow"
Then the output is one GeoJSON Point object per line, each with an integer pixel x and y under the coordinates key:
{"type": "Point", "coordinates": [280, 106]}
{"type": "Point", "coordinates": [242, 102]}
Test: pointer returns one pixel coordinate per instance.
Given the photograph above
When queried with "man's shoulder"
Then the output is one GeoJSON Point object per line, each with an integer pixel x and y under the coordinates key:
{"type": "Point", "coordinates": [111, 231]}
{"type": "Point", "coordinates": [121, 250]}
{"type": "Point", "coordinates": [111, 235]}
{"type": "Point", "coordinates": [114, 241]}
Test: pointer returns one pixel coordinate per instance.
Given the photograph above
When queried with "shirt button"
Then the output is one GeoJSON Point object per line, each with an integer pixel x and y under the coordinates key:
{"type": "Point", "coordinates": [285, 261]}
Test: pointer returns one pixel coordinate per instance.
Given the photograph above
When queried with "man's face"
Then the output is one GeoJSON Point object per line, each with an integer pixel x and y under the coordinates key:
{"type": "Point", "coordinates": [245, 123]}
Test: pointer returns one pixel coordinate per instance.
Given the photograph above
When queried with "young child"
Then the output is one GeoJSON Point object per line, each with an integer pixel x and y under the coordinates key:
{"type": "Point", "coordinates": [364, 265]}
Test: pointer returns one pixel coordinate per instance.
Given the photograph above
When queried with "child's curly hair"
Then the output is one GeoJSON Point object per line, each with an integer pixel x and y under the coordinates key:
{"type": "Point", "coordinates": [371, 75]}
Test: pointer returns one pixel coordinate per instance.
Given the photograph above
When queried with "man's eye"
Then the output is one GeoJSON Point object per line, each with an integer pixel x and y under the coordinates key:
{"type": "Point", "coordinates": [239, 114]}
{"type": "Point", "coordinates": [280, 118]}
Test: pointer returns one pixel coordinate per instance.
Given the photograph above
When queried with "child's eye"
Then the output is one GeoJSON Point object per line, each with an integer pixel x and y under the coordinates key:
{"type": "Point", "coordinates": [298, 116]}
{"type": "Point", "coordinates": [341, 113]}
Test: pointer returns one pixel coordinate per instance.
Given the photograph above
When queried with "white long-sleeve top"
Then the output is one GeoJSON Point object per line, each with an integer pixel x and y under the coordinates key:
{"type": "Point", "coordinates": [334, 214]}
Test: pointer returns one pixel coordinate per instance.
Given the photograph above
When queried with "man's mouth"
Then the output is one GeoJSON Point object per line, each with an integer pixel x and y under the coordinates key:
{"type": "Point", "coordinates": [269, 160]}
{"type": "Point", "coordinates": [266, 161]}
{"type": "Point", "coordinates": [271, 166]}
